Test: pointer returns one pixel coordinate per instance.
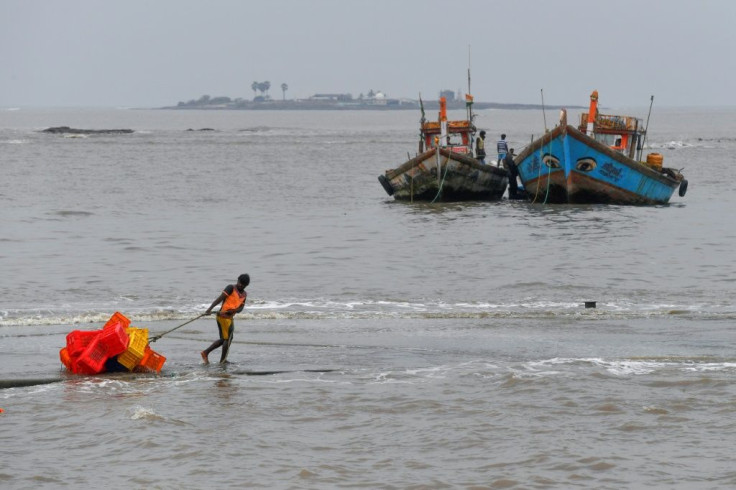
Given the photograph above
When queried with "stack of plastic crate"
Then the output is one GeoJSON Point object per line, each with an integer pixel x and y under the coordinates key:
{"type": "Point", "coordinates": [87, 350]}
{"type": "Point", "coordinates": [116, 347]}
{"type": "Point", "coordinates": [110, 342]}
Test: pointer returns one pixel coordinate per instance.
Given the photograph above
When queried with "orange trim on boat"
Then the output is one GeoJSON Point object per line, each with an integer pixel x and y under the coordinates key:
{"type": "Point", "coordinates": [592, 112]}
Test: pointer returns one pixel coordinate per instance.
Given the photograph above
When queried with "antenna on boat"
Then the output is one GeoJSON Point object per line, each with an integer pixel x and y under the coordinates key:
{"type": "Point", "coordinates": [646, 128]}
{"type": "Point", "coordinates": [544, 114]}
{"type": "Point", "coordinates": [470, 107]}
{"type": "Point", "coordinates": [421, 125]}
{"type": "Point", "coordinates": [469, 68]}
{"type": "Point", "coordinates": [469, 96]}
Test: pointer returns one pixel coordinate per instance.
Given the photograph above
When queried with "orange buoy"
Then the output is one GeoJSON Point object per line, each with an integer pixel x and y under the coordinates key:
{"type": "Point", "coordinates": [655, 160]}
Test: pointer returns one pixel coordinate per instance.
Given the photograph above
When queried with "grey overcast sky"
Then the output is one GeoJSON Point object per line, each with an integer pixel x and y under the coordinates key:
{"type": "Point", "coordinates": [151, 53]}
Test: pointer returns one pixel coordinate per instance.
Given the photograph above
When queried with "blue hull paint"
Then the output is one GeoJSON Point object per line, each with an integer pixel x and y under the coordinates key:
{"type": "Point", "coordinates": [566, 166]}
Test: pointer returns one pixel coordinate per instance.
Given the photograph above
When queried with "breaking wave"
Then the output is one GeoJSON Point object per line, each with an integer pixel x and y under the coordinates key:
{"type": "Point", "coordinates": [634, 366]}
{"type": "Point", "coordinates": [319, 309]}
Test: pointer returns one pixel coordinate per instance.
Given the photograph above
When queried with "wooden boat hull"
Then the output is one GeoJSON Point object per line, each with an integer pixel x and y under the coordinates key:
{"type": "Point", "coordinates": [444, 175]}
{"type": "Point", "coordinates": [567, 166]}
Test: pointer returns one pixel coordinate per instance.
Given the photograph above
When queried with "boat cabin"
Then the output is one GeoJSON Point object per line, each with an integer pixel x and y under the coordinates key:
{"type": "Point", "coordinates": [454, 135]}
{"type": "Point", "coordinates": [620, 133]}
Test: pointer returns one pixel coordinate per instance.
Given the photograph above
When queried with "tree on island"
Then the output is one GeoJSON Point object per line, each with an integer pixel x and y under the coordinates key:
{"type": "Point", "coordinates": [261, 87]}
{"type": "Point", "coordinates": [284, 88]}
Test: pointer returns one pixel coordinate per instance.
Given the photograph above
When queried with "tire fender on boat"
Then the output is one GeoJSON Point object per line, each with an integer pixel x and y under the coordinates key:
{"type": "Point", "coordinates": [386, 185]}
{"type": "Point", "coordinates": [683, 188]}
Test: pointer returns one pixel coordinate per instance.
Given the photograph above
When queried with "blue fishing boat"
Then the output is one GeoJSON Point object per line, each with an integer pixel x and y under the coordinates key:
{"type": "Point", "coordinates": [597, 162]}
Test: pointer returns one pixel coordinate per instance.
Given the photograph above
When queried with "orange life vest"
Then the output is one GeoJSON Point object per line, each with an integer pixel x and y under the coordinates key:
{"type": "Point", "coordinates": [233, 301]}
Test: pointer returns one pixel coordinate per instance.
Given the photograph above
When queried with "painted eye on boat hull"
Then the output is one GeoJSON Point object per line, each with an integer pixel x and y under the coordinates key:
{"type": "Point", "coordinates": [586, 164]}
{"type": "Point", "coordinates": [551, 161]}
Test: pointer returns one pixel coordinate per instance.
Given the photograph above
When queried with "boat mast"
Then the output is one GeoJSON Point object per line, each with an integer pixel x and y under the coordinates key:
{"type": "Point", "coordinates": [469, 98]}
{"type": "Point", "coordinates": [421, 125]}
{"type": "Point", "coordinates": [544, 112]}
{"type": "Point", "coordinates": [646, 128]}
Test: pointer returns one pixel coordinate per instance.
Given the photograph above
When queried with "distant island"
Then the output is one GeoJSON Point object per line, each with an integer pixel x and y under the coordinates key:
{"type": "Point", "coordinates": [329, 101]}
{"type": "Point", "coordinates": [76, 131]}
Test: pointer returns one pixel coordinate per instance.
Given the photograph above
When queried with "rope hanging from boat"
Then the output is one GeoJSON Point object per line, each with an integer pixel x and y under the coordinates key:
{"type": "Point", "coordinates": [549, 168]}
{"type": "Point", "coordinates": [411, 174]}
{"type": "Point", "coordinates": [541, 155]}
{"type": "Point", "coordinates": [549, 174]}
{"type": "Point", "coordinates": [411, 192]}
{"type": "Point", "coordinates": [442, 182]}
{"type": "Point", "coordinates": [541, 149]}
{"type": "Point", "coordinates": [539, 173]}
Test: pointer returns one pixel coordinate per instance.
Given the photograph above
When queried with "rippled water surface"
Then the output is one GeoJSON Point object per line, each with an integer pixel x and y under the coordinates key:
{"type": "Point", "coordinates": [384, 344]}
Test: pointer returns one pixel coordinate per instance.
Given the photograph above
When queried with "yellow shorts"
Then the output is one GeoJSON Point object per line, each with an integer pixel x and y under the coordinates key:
{"type": "Point", "coordinates": [226, 326]}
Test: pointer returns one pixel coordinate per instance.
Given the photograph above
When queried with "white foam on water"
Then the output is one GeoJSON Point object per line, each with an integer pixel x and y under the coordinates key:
{"type": "Point", "coordinates": [143, 413]}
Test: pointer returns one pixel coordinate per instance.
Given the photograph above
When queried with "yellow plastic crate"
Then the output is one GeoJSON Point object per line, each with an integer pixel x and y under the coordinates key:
{"type": "Point", "coordinates": [136, 347]}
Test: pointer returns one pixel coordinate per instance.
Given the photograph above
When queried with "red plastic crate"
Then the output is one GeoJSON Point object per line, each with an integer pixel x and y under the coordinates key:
{"type": "Point", "coordinates": [117, 318]}
{"type": "Point", "coordinates": [92, 360]}
{"type": "Point", "coordinates": [78, 340]}
{"type": "Point", "coordinates": [114, 339]}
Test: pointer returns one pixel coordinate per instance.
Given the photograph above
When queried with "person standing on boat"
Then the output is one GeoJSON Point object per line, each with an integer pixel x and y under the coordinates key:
{"type": "Point", "coordinates": [233, 301]}
{"type": "Point", "coordinates": [513, 171]}
{"type": "Point", "coordinates": [502, 148]}
{"type": "Point", "coordinates": [480, 148]}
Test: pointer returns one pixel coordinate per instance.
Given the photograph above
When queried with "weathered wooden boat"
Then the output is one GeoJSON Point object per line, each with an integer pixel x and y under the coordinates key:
{"type": "Point", "coordinates": [444, 168]}
{"type": "Point", "coordinates": [598, 162]}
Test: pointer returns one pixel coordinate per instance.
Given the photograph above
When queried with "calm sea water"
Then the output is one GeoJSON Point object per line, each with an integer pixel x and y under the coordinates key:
{"type": "Point", "coordinates": [417, 345]}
